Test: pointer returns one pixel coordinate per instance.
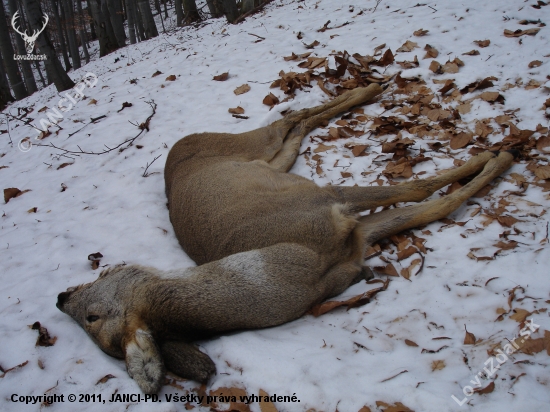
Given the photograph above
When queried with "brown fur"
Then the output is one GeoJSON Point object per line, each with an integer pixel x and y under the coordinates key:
{"type": "Point", "coordinates": [269, 244]}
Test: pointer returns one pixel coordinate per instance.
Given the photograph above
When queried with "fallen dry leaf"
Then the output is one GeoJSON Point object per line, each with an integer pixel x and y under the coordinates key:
{"type": "Point", "coordinates": [482, 43]}
{"type": "Point", "coordinates": [489, 96]}
{"type": "Point", "coordinates": [517, 33]}
{"type": "Point", "coordinates": [410, 343]}
{"type": "Point", "coordinates": [156, 73]}
{"type": "Point", "coordinates": [460, 140]}
{"type": "Point", "coordinates": [236, 110]}
{"type": "Point", "coordinates": [323, 148]}
{"type": "Point", "coordinates": [397, 407]}
{"type": "Point", "coordinates": [435, 67]}
{"type": "Point", "coordinates": [171, 78]}
{"type": "Point", "coordinates": [420, 32]}
{"type": "Point", "coordinates": [266, 406]}
{"type": "Point", "coordinates": [431, 52]}
{"type": "Point", "coordinates": [471, 53]}
{"type": "Point", "coordinates": [534, 63]}
{"type": "Point", "coordinates": [543, 143]}
{"type": "Point", "coordinates": [519, 315]}
{"type": "Point", "coordinates": [44, 338]}
{"type": "Point", "coordinates": [407, 46]}
{"type": "Point", "coordinates": [437, 365]}
{"type": "Point", "coordinates": [469, 338]}
{"type": "Point", "coordinates": [105, 379]}
{"type": "Point", "coordinates": [12, 192]}
{"type": "Point", "coordinates": [242, 89]}
{"type": "Point", "coordinates": [353, 302]}
{"type": "Point", "coordinates": [221, 77]}
{"type": "Point", "coordinates": [270, 100]}
{"type": "Point", "coordinates": [488, 389]}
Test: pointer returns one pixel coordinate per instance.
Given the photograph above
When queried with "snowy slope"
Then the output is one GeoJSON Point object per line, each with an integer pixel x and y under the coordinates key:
{"type": "Point", "coordinates": [343, 360]}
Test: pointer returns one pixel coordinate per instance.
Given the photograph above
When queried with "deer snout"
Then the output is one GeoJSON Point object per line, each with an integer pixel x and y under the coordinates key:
{"type": "Point", "coordinates": [61, 299]}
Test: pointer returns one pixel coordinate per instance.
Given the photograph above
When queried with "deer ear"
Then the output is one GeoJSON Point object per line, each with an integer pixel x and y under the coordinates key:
{"type": "Point", "coordinates": [185, 360]}
{"type": "Point", "coordinates": [143, 361]}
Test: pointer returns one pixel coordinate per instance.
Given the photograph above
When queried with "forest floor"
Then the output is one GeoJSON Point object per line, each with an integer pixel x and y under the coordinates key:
{"type": "Point", "coordinates": [463, 77]}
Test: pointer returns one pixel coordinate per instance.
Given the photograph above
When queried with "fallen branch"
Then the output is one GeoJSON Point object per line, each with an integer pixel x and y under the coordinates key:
{"type": "Point", "coordinates": [92, 120]}
{"type": "Point", "coordinates": [145, 174]}
{"type": "Point", "coordinates": [128, 142]}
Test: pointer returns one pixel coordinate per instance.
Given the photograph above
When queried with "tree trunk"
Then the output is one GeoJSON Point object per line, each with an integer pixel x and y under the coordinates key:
{"type": "Point", "coordinates": [53, 67]}
{"type": "Point", "coordinates": [179, 13]}
{"type": "Point", "coordinates": [157, 6]}
{"type": "Point", "coordinates": [107, 40]}
{"type": "Point", "coordinates": [39, 70]}
{"type": "Point", "coordinates": [215, 8]}
{"type": "Point", "coordinates": [82, 31]}
{"type": "Point", "coordinates": [5, 93]}
{"type": "Point", "coordinates": [62, 44]}
{"type": "Point", "coordinates": [10, 64]}
{"type": "Point", "coordinates": [130, 6]}
{"type": "Point", "coordinates": [26, 69]}
{"type": "Point", "coordinates": [115, 15]}
{"type": "Point", "coordinates": [229, 8]}
{"type": "Point", "coordinates": [191, 12]}
{"type": "Point", "coordinates": [147, 18]}
{"type": "Point", "coordinates": [70, 24]}
{"type": "Point", "coordinates": [165, 9]}
{"type": "Point", "coordinates": [93, 34]}
{"type": "Point", "coordinates": [139, 23]}
{"type": "Point", "coordinates": [248, 5]}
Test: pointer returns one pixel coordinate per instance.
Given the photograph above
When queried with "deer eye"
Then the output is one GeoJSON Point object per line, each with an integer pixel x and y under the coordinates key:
{"type": "Point", "coordinates": [92, 318]}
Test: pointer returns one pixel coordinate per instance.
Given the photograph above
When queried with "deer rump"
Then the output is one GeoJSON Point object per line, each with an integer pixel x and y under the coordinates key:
{"type": "Point", "coordinates": [269, 244]}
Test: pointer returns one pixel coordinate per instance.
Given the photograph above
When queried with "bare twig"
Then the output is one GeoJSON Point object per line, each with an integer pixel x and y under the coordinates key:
{"type": "Point", "coordinates": [145, 174]}
{"type": "Point", "coordinates": [377, 3]}
{"type": "Point", "coordinates": [128, 142]}
{"type": "Point", "coordinates": [92, 120]}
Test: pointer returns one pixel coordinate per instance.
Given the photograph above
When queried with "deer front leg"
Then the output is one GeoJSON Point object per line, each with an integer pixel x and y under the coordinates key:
{"type": "Point", "coordinates": [143, 360]}
{"type": "Point", "coordinates": [185, 360]}
{"type": "Point", "coordinates": [389, 222]}
{"type": "Point", "coordinates": [370, 197]}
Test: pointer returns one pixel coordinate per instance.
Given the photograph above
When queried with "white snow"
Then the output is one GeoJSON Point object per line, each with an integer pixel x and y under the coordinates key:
{"type": "Point", "coordinates": [343, 359]}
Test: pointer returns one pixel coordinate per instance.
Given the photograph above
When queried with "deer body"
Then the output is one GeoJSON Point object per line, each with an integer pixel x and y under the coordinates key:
{"type": "Point", "coordinates": [269, 244]}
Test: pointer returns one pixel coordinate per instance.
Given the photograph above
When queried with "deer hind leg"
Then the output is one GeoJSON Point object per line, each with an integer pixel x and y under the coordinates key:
{"type": "Point", "coordinates": [389, 222]}
{"type": "Point", "coordinates": [371, 197]}
{"type": "Point", "coordinates": [305, 120]}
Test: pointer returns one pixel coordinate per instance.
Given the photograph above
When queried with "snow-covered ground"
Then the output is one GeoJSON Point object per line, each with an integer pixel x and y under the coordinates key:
{"type": "Point", "coordinates": [406, 348]}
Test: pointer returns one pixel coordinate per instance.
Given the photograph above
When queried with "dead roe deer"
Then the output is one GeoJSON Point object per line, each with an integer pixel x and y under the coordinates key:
{"type": "Point", "coordinates": [268, 244]}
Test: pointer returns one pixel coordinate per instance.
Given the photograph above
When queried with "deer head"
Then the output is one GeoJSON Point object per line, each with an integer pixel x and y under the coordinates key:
{"type": "Point", "coordinates": [29, 40]}
{"type": "Point", "coordinates": [113, 311]}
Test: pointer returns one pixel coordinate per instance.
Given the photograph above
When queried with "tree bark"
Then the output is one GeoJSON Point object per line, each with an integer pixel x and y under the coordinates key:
{"type": "Point", "coordinates": [10, 64]}
{"type": "Point", "coordinates": [70, 24]}
{"type": "Point", "coordinates": [115, 15]}
{"type": "Point", "coordinates": [179, 13]}
{"type": "Point", "coordinates": [215, 8]}
{"type": "Point", "coordinates": [26, 69]}
{"type": "Point", "coordinates": [5, 93]}
{"type": "Point", "coordinates": [248, 5]}
{"type": "Point", "coordinates": [150, 29]}
{"type": "Point", "coordinates": [191, 12]}
{"type": "Point", "coordinates": [130, 14]}
{"type": "Point", "coordinates": [39, 70]}
{"type": "Point", "coordinates": [82, 31]}
{"type": "Point", "coordinates": [62, 44]}
{"type": "Point", "coordinates": [53, 67]}
{"type": "Point", "coordinates": [107, 40]}
{"type": "Point", "coordinates": [229, 8]}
